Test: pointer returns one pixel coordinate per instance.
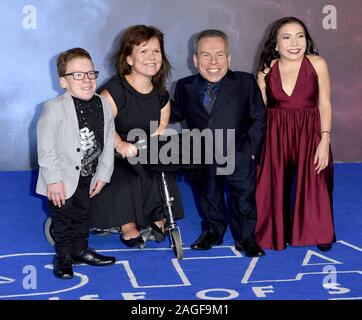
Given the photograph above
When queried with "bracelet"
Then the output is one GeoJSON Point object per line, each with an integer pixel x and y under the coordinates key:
{"type": "Point", "coordinates": [326, 132]}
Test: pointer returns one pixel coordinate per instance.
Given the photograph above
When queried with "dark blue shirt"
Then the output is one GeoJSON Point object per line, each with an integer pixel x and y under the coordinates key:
{"type": "Point", "coordinates": [203, 85]}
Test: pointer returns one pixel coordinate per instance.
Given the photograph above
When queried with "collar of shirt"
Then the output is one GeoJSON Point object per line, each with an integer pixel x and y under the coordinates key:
{"type": "Point", "coordinates": [77, 100]}
{"type": "Point", "coordinates": [203, 83]}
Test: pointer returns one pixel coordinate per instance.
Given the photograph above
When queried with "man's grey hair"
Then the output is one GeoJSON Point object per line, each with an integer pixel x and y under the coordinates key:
{"type": "Point", "coordinates": [210, 33]}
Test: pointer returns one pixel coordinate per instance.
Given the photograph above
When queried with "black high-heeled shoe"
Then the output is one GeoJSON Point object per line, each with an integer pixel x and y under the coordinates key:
{"type": "Point", "coordinates": [157, 232]}
{"type": "Point", "coordinates": [134, 242]}
{"type": "Point", "coordinates": [324, 247]}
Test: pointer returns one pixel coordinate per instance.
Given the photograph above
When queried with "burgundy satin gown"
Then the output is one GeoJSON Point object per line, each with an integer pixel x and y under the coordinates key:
{"type": "Point", "coordinates": [294, 203]}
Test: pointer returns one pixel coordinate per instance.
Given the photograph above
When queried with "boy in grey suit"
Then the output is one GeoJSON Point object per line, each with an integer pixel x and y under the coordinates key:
{"type": "Point", "coordinates": [75, 135]}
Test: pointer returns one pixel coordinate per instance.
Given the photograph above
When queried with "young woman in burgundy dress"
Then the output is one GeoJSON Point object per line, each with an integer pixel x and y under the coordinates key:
{"type": "Point", "coordinates": [295, 178]}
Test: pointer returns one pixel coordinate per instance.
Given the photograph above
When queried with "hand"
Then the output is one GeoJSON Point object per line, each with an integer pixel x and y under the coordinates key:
{"type": "Point", "coordinates": [56, 193]}
{"type": "Point", "coordinates": [321, 158]}
{"type": "Point", "coordinates": [126, 149]}
{"type": "Point", "coordinates": [97, 188]}
{"type": "Point", "coordinates": [159, 132]}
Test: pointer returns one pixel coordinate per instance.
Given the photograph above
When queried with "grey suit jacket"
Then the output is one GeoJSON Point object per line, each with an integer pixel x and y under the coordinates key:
{"type": "Point", "coordinates": [59, 155]}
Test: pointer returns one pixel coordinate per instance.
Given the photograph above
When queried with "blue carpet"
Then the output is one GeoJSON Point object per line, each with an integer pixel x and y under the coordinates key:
{"type": "Point", "coordinates": [153, 273]}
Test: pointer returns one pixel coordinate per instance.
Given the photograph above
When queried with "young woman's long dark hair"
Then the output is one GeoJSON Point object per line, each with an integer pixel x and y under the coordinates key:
{"type": "Point", "coordinates": [269, 53]}
{"type": "Point", "coordinates": [134, 36]}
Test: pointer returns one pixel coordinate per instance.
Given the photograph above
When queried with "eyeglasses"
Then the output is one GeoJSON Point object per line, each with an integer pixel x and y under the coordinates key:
{"type": "Point", "coordinates": [92, 75]}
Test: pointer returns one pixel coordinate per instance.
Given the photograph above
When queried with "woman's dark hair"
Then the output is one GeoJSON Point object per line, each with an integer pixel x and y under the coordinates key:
{"type": "Point", "coordinates": [134, 36]}
{"type": "Point", "coordinates": [269, 53]}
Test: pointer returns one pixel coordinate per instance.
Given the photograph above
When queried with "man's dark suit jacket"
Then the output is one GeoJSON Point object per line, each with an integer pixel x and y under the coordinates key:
{"type": "Point", "coordinates": [238, 106]}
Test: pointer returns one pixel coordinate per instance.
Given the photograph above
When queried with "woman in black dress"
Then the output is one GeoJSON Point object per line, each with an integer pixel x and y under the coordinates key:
{"type": "Point", "coordinates": [138, 96]}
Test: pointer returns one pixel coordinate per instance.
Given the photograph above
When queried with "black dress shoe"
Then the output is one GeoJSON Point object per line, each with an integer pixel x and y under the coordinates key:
{"type": "Point", "coordinates": [137, 242]}
{"type": "Point", "coordinates": [157, 232]}
{"type": "Point", "coordinates": [205, 241]}
{"type": "Point", "coordinates": [324, 247]}
{"type": "Point", "coordinates": [250, 248]}
{"type": "Point", "coordinates": [62, 266]}
{"type": "Point", "coordinates": [89, 256]}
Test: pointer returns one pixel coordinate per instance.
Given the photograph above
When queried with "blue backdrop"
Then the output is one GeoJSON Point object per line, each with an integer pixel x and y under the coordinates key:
{"type": "Point", "coordinates": [34, 32]}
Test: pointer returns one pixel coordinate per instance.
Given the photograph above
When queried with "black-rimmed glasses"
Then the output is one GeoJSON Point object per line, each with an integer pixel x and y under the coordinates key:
{"type": "Point", "coordinates": [92, 75]}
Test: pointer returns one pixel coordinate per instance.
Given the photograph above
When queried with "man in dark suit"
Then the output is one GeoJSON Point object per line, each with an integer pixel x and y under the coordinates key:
{"type": "Point", "coordinates": [218, 98]}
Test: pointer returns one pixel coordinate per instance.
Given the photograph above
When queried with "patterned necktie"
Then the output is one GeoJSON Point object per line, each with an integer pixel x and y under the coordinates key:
{"type": "Point", "coordinates": [209, 97]}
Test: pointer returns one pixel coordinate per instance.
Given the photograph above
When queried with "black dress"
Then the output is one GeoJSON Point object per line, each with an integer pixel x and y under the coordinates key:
{"type": "Point", "coordinates": [133, 194]}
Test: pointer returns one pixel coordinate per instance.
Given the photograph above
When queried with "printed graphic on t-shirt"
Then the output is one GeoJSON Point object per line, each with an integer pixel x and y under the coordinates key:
{"type": "Point", "coordinates": [91, 151]}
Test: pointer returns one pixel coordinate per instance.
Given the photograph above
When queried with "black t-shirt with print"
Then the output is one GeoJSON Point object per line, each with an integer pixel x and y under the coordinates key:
{"type": "Point", "coordinates": [91, 132]}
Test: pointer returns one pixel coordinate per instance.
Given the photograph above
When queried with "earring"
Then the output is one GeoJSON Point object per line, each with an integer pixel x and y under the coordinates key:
{"type": "Point", "coordinates": [276, 53]}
